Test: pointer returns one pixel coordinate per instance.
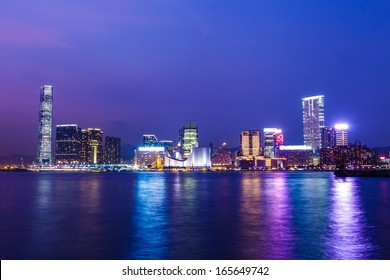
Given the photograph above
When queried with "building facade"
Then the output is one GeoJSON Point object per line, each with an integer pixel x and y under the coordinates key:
{"type": "Point", "coordinates": [341, 132]}
{"type": "Point", "coordinates": [271, 137]}
{"type": "Point", "coordinates": [112, 150]}
{"type": "Point", "coordinates": [68, 144]}
{"type": "Point", "coordinates": [350, 156]}
{"type": "Point", "coordinates": [313, 120]}
{"type": "Point", "coordinates": [150, 140]}
{"type": "Point", "coordinates": [188, 137]}
{"type": "Point", "coordinates": [45, 125]}
{"type": "Point", "coordinates": [91, 146]}
{"type": "Point", "coordinates": [250, 143]}
{"type": "Point", "coordinates": [296, 155]}
{"type": "Point", "coordinates": [328, 137]}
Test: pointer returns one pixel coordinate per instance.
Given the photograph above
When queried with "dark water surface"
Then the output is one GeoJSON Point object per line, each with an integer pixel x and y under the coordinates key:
{"type": "Point", "coordinates": [231, 215]}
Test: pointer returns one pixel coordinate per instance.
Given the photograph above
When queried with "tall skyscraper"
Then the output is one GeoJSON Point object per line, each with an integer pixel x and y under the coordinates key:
{"type": "Point", "coordinates": [112, 150]}
{"type": "Point", "coordinates": [250, 142]}
{"type": "Point", "coordinates": [328, 137]}
{"type": "Point", "coordinates": [270, 141]}
{"type": "Point", "coordinates": [45, 125]}
{"type": "Point", "coordinates": [91, 146]}
{"type": "Point", "coordinates": [68, 143]}
{"type": "Point", "coordinates": [188, 137]}
{"type": "Point", "coordinates": [313, 120]}
{"type": "Point", "coordinates": [341, 134]}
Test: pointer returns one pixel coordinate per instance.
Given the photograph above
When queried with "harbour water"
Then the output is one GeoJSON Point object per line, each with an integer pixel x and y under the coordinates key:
{"type": "Point", "coordinates": [193, 215]}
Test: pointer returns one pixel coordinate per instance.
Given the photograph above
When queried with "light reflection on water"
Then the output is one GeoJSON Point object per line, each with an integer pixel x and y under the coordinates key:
{"type": "Point", "coordinates": [347, 239]}
{"type": "Point", "coordinates": [205, 215]}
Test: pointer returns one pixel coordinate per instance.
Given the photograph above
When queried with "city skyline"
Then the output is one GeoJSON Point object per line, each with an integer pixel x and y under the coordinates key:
{"type": "Point", "coordinates": [138, 68]}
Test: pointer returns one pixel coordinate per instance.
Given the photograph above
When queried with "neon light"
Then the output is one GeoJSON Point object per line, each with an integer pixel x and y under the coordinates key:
{"type": "Point", "coordinates": [295, 147]}
{"type": "Point", "coordinates": [151, 149]}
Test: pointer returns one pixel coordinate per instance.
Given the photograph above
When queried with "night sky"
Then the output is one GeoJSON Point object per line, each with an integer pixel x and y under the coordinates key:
{"type": "Point", "coordinates": [137, 67]}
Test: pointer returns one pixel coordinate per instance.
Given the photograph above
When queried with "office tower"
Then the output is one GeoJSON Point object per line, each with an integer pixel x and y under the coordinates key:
{"type": "Point", "coordinates": [150, 140]}
{"type": "Point", "coordinates": [270, 137]}
{"type": "Point", "coordinates": [313, 120]}
{"type": "Point", "coordinates": [188, 137]}
{"type": "Point", "coordinates": [328, 137]}
{"type": "Point", "coordinates": [45, 124]}
{"type": "Point", "coordinates": [250, 142]}
{"type": "Point", "coordinates": [91, 146]}
{"type": "Point", "coordinates": [68, 143]}
{"type": "Point", "coordinates": [341, 134]}
{"type": "Point", "coordinates": [112, 150]}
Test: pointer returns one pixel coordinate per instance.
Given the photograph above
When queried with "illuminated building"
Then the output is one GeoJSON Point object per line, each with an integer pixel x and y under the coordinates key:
{"type": "Point", "coordinates": [296, 155]}
{"type": "Point", "coordinates": [149, 157]}
{"type": "Point", "coordinates": [313, 120]}
{"type": "Point", "coordinates": [250, 143]}
{"type": "Point", "coordinates": [328, 137]}
{"type": "Point", "coordinates": [45, 125]}
{"type": "Point", "coordinates": [91, 146]}
{"type": "Point", "coordinates": [188, 136]}
{"type": "Point", "coordinates": [68, 145]}
{"type": "Point", "coordinates": [112, 150]}
{"type": "Point", "coordinates": [271, 136]}
{"type": "Point", "coordinates": [150, 140]}
{"type": "Point", "coordinates": [199, 158]}
{"type": "Point", "coordinates": [222, 157]}
{"type": "Point", "coordinates": [351, 156]}
{"type": "Point", "coordinates": [168, 145]}
{"type": "Point", "coordinates": [341, 134]}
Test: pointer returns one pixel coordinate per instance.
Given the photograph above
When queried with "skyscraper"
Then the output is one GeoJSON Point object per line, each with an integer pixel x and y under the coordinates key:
{"type": "Point", "coordinates": [68, 145]}
{"type": "Point", "coordinates": [112, 150]}
{"type": "Point", "coordinates": [341, 134]}
{"type": "Point", "coordinates": [250, 142]}
{"type": "Point", "coordinates": [91, 146]}
{"type": "Point", "coordinates": [45, 125]}
{"type": "Point", "coordinates": [313, 120]}
{"type": "Point", "coordinates": [188, 137]}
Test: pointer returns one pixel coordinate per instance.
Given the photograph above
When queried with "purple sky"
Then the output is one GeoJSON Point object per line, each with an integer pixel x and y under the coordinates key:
{"type": "Point", "coordinates": [136, 67]}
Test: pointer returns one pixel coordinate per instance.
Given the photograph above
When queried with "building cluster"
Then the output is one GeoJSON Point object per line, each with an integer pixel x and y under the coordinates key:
{"type": "Point", "coordinates": [73, 145]}
{"type": "Point", "coordinates": [323, 146]}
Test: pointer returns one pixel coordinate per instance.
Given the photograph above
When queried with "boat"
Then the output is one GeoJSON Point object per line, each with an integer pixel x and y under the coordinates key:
{"type": "Point", "coordinates": [362, 172]}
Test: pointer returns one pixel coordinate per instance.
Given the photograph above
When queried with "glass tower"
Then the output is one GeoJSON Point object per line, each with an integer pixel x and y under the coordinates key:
{"type": "Point", "coordinates": [45, 125]}
{"type": "Point", "coordinates": [188, 137]}
{"type": "Point", "coordinates": [313, 120]}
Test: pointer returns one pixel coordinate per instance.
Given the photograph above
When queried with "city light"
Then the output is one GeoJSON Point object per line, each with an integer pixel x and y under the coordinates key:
{"type": "Point", "coordinates": [340, 126]}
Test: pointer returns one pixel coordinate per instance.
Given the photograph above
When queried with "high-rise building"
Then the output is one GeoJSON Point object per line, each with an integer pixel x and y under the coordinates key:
{"type": "Point", "coordinates": [328, 137]}
{"type": "Point", "coordinates": [341, 134]}
{"type": "Point", "coordinates": [91, 146]}
{"type": "Point", "coordinates": [250, 142]}
{"type": "Point", "coordinates": [188, 137]}
{"type": "Point", "coordinates": [150, 140]}
{"type": "Point", "coordinates": [45, 125]}
{"type": "Point", "coordinates": [112, 150]}
{"type": "Point", "coordinates": [68, 143]}
{"type": "Point", "coordinates": [313, 120]}
{"type": "Point", "coordinates": [270, 141]}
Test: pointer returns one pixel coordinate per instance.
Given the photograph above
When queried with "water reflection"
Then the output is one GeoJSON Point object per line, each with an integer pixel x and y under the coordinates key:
{"type": "Point", "coordinates": [251, 217]}
{"type": "Point", "coordinates": [347, 239]}
{"type": "Point", "coordinates": [149, 221]}
{"type": "Point", "coordinates": [279, 218]}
